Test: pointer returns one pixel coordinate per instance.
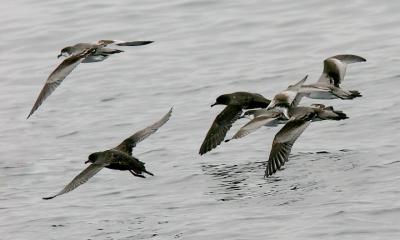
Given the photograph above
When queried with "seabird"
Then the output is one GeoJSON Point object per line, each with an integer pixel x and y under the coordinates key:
{"type": "Point", "coordinates": [328, 85]}
{"type": "Point", "coordinates": [289, 96]}
{"type": "Point", "coordinates": [235, 103]}
{"type": "Point", "coordinates": [76, 54]}
{"type": "Point", "coordinates": [299, 119]}
{"type": "Point", "coordinates": [271, 117]}
{"type": "Point", "coordinates": [118, 158]}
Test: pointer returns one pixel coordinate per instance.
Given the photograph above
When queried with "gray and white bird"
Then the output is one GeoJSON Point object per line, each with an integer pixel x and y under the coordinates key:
{"type": "Point", "coordinates": [272, 118]}
{"type": "Point", "coordinates": [284, 108]}
{"type": "Point", "coordinates": [299, 119]}
{"type": "Point", "coordinates": [290, 96]}
{"type": "Point", "coordinates": [117, 158]}
{"type": "Point", "coordinates": [277, 111]}
{"type": "Point", "coordinates": [76, 54]}
{"type": "Point", "coordinates": [328, 85]}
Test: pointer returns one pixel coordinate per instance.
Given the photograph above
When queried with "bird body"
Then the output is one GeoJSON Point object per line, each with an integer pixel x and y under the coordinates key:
{"type": "Point", "coordinates": [328, 85]}
{"type": "Point", "coordinates": [245, 100]}
{"type": "Point", "coordinates": [235, 103]}
{"type": "Point", "coordinates": [118, 158]}
{"type": "Point", "coordinates": [76, 54]}
{"type": "Point", "coordinates": [299, 119]}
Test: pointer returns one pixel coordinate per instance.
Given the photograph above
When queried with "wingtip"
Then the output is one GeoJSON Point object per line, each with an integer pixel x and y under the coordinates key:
{"type": "Point", "coordinates": [48, 198]}
{"type": "Point", "coordinates": [30, 114]}
{"type": "Point", "coordinates": [134, 43]}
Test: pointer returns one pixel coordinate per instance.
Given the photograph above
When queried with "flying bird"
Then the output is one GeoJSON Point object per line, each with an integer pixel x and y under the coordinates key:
{"type": "Point", "coordinates": [76, 54]}
{"type": "Point", "coordinates": [328, 85]}
{"type": "Point", "coordinates": [299, 119]}
{"type": "Point", "coordinates": [235, 103]}
{"type": "Point", "coordinates": [273, 118]}
{"type": "Point", "coordinates": [118, 158]}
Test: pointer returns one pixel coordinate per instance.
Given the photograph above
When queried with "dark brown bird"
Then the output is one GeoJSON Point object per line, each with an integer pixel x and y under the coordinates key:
{"type": "Point", "coordinates": [118, 158]}
{"type": "Point", "coordinates": [235, 103]}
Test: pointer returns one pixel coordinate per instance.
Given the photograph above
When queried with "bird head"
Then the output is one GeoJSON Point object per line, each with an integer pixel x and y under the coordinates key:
{"type": "Point", "coordinates": [222, 100]}
{"type": "Point", "coordinates": [93, 157]}
{"type": "Point", "coordinates": [280, 104]}
{"type": "Point", "coordinates": [65, 52]}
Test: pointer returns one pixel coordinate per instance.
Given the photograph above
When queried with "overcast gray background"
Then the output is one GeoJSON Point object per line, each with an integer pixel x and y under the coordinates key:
{"type": "Point", "coordinates": [202, 49]}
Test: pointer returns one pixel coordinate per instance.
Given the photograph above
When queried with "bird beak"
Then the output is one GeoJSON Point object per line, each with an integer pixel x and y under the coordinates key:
{"type": "Point", "coordinates": [87, 161]}
{"type": "Point", "coordinates": [212, 105]}
{"type": "Point", "coordinates": [59, 55]}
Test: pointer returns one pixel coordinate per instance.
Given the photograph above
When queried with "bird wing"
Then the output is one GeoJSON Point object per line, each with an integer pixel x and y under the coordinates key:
{"type": "Point", "coordinates": [82, 177]}
{"type": "Point", "coordinates": [294, 97]}
{"type": "Point", "coordinates": [222, 123]}
{"type": "Point", "coordinates": [349, 58]}
{"type": "Point", "coordinates": [335, 68]}
{"type": "Point", "coordinates": [283, 142]}
{"type": "Point", "coordinates": [122, 43]}
{"type": "Point", "coordinates": [129, 143]}
{"type": "Point", "coordinates": [58, 75]}
{"type": "Point", "coordinates": [253, 125]}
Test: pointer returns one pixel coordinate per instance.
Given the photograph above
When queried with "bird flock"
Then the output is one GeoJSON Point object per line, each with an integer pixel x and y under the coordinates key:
{"type": "Point", "coordinates": [283, 109]}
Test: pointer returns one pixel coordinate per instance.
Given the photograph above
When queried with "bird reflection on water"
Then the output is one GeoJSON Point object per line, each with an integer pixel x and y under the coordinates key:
{"type": "Point", "coordinates": [245, 180]}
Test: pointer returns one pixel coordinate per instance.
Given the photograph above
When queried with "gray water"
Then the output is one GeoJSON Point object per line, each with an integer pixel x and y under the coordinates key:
{"type": "Point", "coordinates": [342, 180]}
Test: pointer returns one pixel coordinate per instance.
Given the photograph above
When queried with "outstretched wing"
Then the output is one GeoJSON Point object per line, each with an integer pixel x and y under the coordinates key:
{"type": "Point", "coordinates": [58, 75]}
{"type": "Point", "coordinates": [254, 124]}
{"type": "Point", "coordinates": [123, 43]}
{"type": "Point", "coordinates": [82, 177]}
{"type": "Point", "coordinates": [283, 142]}
{"type": "Point", "coordinates": [294, 97]}
{"type": "Point", "coordinates": [335, 68]}
{"type": "Point", "coordinates": [349, 58]}
{"type": "Point", "coordinates": [222, 123]}
{"type": "Point", "coordinates": [129, 143]}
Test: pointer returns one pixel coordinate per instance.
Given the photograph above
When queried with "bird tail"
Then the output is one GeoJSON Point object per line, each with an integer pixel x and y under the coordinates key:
{"type": "Point", "coordinates": [329, 113]}
{"type": "Point", "coordinates": [340, 115]}
{"type": "Point", "coordinates": [355, 93]}
{"type": "Point", "coordinates": [346, 95]}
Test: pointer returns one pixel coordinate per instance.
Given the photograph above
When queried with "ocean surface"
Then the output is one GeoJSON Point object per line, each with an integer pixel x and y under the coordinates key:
{"type": "Point", "coordinates": [342, 180]}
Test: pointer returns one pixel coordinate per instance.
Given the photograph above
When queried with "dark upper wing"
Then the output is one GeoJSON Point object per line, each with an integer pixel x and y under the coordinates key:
{"type": "Point", "coordinates": [335, 68]}
{"type": "Point", "coordinates": [349, 58]}
{"type": "Point", "coordinates": [82, 177]}
{"type": "Point", "coordinates": [283, 142]}
{"type": "Point", "coordinates": [222, 123]}
{"type": "Point", "coordinates": [130, 142]}
{"type": "Point", "coordinates": [123, 43]}
{"type": "Point", "coordinates": [58, 75]}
